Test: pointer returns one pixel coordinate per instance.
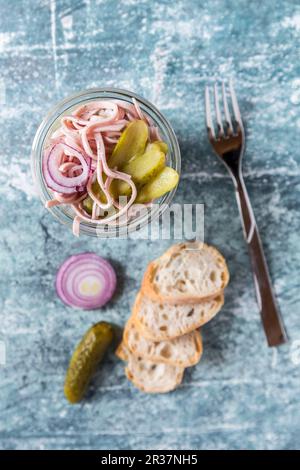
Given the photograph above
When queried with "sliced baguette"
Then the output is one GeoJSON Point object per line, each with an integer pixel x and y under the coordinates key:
{"type": "Point", "coordinates": [151, 377]}
{"type": "Point", "coordinates": [159, 321]}
{"type": "Point", "coordinates": [184, 351]}
{"type": "Point", "coordinates": [187, 273]}
{"type": "Point", "coordinates": [148, 376]}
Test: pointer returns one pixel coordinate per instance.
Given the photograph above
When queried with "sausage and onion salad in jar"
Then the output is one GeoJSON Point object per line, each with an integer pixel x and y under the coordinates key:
{"type": "Point", "coordinates": [101, 154]}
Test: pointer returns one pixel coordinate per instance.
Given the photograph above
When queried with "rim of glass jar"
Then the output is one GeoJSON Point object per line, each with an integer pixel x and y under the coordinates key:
{"type": "Point", "coordinates": [89, 228]}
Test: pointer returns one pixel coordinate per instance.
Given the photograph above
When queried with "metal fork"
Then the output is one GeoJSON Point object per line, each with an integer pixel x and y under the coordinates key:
{"type": "Point", "coordinates": [228, 141]}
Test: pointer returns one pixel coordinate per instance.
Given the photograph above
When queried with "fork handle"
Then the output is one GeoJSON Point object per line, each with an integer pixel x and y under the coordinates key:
{"type": "Point", "coordinates": [269, 310]}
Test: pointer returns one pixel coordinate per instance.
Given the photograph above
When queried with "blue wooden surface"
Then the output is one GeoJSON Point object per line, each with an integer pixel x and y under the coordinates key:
{"type": "Point", "coordinates": [242, 394]}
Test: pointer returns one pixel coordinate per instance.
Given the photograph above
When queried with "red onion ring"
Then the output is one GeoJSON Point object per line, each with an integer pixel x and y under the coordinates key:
{"type": "Point", "coordinates": [54, 161]}
{"type": "Point", "coordinates": [86, 281]}
{"type": "Point", "coordinates": [54, 177]}
{"type": "Point", "coordinates": [48, 178]}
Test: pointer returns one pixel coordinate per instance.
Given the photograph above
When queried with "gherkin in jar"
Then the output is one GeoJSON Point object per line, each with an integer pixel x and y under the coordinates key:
{"type": "Point", "coordinates": [141, 169]}
{"type": "Point", "coordinates": [131, 143]}
{"type": "Point", "coordinates": [166, 180]}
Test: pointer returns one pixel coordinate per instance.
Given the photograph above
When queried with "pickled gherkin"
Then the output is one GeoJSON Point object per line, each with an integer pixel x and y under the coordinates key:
{"type": "Point", "coordinates": [85, 360]}
{"type": "Point", "coordinates": [141, 169]}
{"type": "Point", "coordinates": [163, 146]}
{"type": "Point", "coordinates": [166, 180]}
{"type": "Point", "coordinates": [144, 161]}
{"type": "Point", "coordinates": [88, 202]}
{"type": "Point", "coordinates": [131, 143]}
{"type": "Point", "coordinates": [87, 205]}
{"type": "Point", "coordinates": [119, 188]}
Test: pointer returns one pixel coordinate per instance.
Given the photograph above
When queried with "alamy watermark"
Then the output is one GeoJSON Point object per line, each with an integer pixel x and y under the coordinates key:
{"type": "Point", "coordinates": [158, 222]}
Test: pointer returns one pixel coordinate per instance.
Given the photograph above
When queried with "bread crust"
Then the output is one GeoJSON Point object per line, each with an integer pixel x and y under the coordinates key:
{"type": "Point", "coordinates": [148, 287]}
{"type": "Point", "coordinates": [160, 359]}
{"type": "Point", "coordinates": [121, 352]}
{"type": "Point", "coordinates": [165, 336]}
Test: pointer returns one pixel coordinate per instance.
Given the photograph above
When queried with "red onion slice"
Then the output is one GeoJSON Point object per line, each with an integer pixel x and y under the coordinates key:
{"type": "Point", "coordinates": [86, 281]}
{"type": "Point", "coordinates": [55, 180]}
{"type": "Point", "coordinates": [54, 162]}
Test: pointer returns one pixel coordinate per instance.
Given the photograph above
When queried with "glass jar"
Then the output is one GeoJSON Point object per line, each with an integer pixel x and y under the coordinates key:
{"type": "Point", "coordinates": [65, 213]}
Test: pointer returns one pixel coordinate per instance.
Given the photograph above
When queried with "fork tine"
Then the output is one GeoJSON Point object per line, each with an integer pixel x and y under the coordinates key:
{"type": "Point", "coordinates": [235, 105]}
{"type": "Point", "coordinates": [226, 110]}
{"type": "Point", "coordinates": [218, 112]}
{"type": "Point", "coordinates": [209, 122]}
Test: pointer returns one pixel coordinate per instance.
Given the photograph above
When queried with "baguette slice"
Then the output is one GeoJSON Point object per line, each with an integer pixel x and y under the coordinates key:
{"type": "Point", "coordinates": [184, 351]}
{"type": "Point", "coordinates": [150, 377]}
{"type": "Point", "coordinates": [187, 273]}
{"type": "Point", "coordinates": [160, 322]}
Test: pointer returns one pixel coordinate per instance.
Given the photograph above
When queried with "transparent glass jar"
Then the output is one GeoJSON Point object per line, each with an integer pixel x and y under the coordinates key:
{"type": "Point", "coordinates": [51, 122]}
